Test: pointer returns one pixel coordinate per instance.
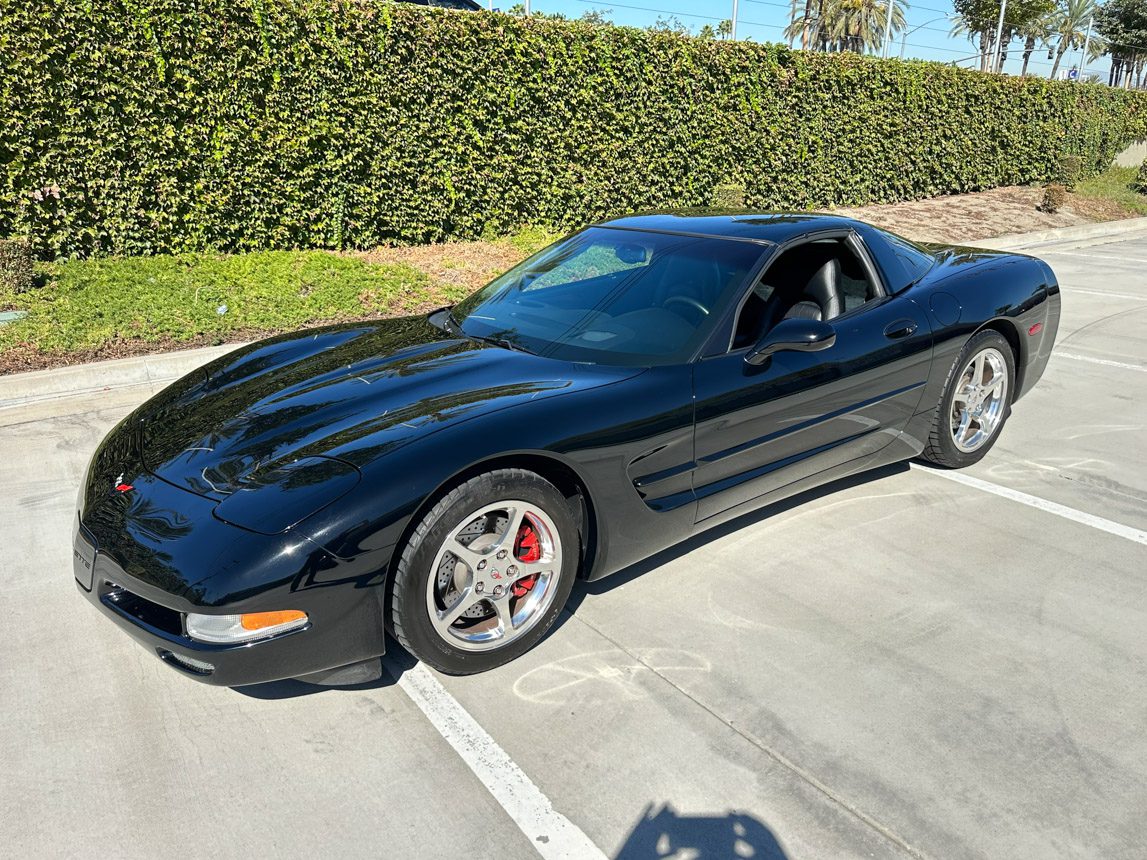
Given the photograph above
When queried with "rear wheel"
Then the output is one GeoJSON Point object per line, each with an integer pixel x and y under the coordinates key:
{"type": "Point", "coordinates": [975, 404]}
{"type": "Point", "coordinates": [485, 573]}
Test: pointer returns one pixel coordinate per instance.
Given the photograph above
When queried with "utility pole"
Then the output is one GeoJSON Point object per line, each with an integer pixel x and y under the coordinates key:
{"type": "Point", "coordinates": [527, 8]}
{"type": "Point", "coordinates": [999, 37]}
{"type": "Point", "coordinates": [888, 29]}
{"type": "Point", "coordinates": [733, 21]}
{"type": "Point", "coordinates": [1086, 43]}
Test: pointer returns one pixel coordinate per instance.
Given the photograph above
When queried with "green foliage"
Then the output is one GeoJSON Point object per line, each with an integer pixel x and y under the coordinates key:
{"type": "Point", "coordinates": [1054, 196]}
{"type": "Point", "coordinates": [728, 196]}
{"type": "Point", "coordinates": [530, 240]}
{"type": "Point", "coordinates": [671, 24]}
{"type": "Point", "coordinates": [1070, 168]}
{"type": "Point", "coordinates": [1123, 23]}
{"type": "Point", "coordinates": [17, 273]}
{"type": "Point", "coordinates": [88, 304]}
{"type": "Point", "coordinates": [1114, 186]}
{"type": "Point", "coordinates": [983, 15]}
{"type": "Point", "coordinates": [1139, 183]}
{"type": "Point", "coordinates": [230, 125]}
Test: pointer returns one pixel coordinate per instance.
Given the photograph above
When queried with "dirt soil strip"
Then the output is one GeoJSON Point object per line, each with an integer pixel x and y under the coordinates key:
{"type": "Point", "coordinates": [981, 215]}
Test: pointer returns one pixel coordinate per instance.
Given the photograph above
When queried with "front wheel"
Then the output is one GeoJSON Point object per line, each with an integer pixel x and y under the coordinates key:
{"type": "Point", "coordinates": [485, 573]}
{"type": "Point", "coordinates": [975, 404]}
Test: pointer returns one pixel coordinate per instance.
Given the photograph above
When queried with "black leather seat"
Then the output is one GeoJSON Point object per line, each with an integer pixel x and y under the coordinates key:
{"type": "Point", "coordinates": [821, 299]}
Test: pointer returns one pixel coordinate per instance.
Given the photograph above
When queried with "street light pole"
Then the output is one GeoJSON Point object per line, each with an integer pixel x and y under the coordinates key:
{"type": "Point", "coordinates": [1086, 43]}
{"type": "Point", "coordinates": [733, 21]}
{"type": "Point", "coordinates": [888, 29]}
{"type": "Point", "coordinates": [999, 36]}
{"type": "Point", "coordinates": [906, 33]}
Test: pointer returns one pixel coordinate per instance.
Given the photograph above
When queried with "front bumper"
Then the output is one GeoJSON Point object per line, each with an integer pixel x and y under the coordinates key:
{"type": "Point", "coordinates": [345, 619]}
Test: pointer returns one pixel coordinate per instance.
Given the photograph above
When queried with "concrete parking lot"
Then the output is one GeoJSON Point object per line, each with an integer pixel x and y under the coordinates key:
{"type": "Point", "coordinates": [902, 665]}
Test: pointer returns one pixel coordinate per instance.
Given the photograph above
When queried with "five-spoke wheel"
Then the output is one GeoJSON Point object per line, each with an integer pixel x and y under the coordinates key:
{"type": "Point", "coordinates": [485, 572]}
{"type": "Point", "coordinates": [975, 403]}
{"type": "Point", "coordinates": [494, 574]}
{"type": "Point", "coordinates": [980, 399]}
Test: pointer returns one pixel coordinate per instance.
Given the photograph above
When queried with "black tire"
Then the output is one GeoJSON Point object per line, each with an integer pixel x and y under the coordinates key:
{"type": "Point", "coordinates": [410, 615]}
{"type": "Point", "coordinates": [941, 448]}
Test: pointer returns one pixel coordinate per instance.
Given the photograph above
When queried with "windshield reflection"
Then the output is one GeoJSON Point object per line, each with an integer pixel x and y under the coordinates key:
{"type": "Point", "coordinates": [612, 296]}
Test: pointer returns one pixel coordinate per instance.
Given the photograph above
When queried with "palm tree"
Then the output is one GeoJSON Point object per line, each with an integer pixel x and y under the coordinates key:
{"type": "Point", "coordinates": [983, 38]}
{"type": "Point", "coordinates": [1069, 23]}
{"type": "Point", "coordinates": [806, 21]}
{"type": "Point", "coordinates": [858, 25]}
{"type": "Point", "coordinates": [845, 25]}
{"type": "Point", "coordinates": [1037, 30]}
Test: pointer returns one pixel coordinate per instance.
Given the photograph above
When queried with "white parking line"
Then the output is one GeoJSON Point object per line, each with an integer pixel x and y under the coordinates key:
{"type": "Point", "coordinates": [551, 833]}
{"type": "Point", "coordinates": [1114, 528]}
{"type": "Point", "coordinates": [1107, 362]}
{"type": "Point", "coordinates": [1071, 291]}
{"type": "Point", "coordinates": [1105, 257]}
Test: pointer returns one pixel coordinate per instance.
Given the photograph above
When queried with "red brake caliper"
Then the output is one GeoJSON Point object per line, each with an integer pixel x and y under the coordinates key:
{"type": "Point", "coordinates": [526, 549]}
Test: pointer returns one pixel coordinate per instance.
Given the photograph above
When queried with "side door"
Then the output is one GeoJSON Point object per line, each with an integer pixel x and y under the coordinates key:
{"type": "Point", "coordinates": [760, 427]}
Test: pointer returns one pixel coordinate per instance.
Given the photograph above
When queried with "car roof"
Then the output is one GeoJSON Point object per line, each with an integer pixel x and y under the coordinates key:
{"type": "Point", "coordinates": [775, 227]}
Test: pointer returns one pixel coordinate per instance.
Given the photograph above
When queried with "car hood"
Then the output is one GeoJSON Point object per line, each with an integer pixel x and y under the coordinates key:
{"type": "Point", "coordinates": [316, 406]}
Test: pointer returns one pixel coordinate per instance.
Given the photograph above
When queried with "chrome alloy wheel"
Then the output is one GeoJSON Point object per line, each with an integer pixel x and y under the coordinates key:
{"type": "Point", "coordinates": [980, 400]}
{"type": "Point", "coordinates": [494, 576]}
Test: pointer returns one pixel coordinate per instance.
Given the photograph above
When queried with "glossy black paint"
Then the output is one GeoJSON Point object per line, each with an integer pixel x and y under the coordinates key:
{"type": "Point", "coordinates": [286, 474]}
{"type": "Point", "coordinates": [796, 335]}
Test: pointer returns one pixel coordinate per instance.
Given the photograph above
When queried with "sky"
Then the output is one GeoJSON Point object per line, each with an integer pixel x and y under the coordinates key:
{"type": "Point", "coordinates": [764, 21]}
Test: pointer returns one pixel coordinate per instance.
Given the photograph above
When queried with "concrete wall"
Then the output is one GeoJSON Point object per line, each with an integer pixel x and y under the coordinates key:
{"type": "Point", "coordinates": [1133, 155]}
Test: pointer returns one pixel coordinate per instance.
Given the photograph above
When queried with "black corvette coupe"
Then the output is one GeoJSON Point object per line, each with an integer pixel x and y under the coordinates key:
{"type": "Point", "coordinates": [447, 477]}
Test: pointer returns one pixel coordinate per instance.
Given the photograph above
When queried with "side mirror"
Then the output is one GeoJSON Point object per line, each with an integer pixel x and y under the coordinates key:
{"type": "Point", "coordinates": [796, 335]}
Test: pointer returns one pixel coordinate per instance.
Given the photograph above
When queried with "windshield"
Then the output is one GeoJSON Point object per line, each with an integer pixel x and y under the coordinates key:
{"type": "Point", "coordinates": [612, 296]}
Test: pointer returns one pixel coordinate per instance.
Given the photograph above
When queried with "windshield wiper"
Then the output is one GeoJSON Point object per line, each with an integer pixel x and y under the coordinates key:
{"type": "Point", "coordinates": [452, 322]}
{"type": "Point", "coordinates": [456, 327]}
{"type": "Point", "coordinates": [502, 342]}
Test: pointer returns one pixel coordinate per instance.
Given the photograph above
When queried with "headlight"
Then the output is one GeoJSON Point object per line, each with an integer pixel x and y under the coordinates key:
{"type": "Point", "coordinates": [230, 629]}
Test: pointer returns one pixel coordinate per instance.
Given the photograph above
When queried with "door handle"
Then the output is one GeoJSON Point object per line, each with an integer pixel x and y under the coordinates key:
{"type": "Point", "coordinates": [899, 329]}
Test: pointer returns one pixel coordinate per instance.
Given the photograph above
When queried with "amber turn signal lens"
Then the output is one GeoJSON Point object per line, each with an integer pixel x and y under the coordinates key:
{"type": "Point", "coordinates": [233, 629]}
{"type": "Point", "coordinates": [262, 620]}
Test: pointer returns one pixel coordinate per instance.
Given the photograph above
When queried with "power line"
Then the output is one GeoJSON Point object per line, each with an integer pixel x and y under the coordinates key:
{"type": "Point", "coordinates": [658, 11]}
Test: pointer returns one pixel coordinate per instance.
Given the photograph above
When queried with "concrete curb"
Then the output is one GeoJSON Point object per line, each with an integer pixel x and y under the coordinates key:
{"type": "Point", "coordinates": [20, 389]}
{"type": "Point", "coordinates": [1081, 232]}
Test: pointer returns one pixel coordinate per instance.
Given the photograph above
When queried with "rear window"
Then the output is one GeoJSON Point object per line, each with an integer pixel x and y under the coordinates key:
{"type": "Point", "coordinates": [914, 259]}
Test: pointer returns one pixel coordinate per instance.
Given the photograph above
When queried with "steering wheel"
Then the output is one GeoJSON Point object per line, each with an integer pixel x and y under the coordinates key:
{"type": "Point", "coordinates": [689, 301]}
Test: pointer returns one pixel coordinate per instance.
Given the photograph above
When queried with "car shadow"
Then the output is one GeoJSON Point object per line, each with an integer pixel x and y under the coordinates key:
{"type": "Point", "coordinates": [368, 675]}
{"type": "Point", "coordinates": [662, 832]}
{"type": "Point", "coordinates": [582, 588]}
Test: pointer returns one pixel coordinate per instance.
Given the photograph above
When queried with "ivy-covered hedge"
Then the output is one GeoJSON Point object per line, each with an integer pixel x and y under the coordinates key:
{"type": "Point", "coordinates": [139, 126]}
